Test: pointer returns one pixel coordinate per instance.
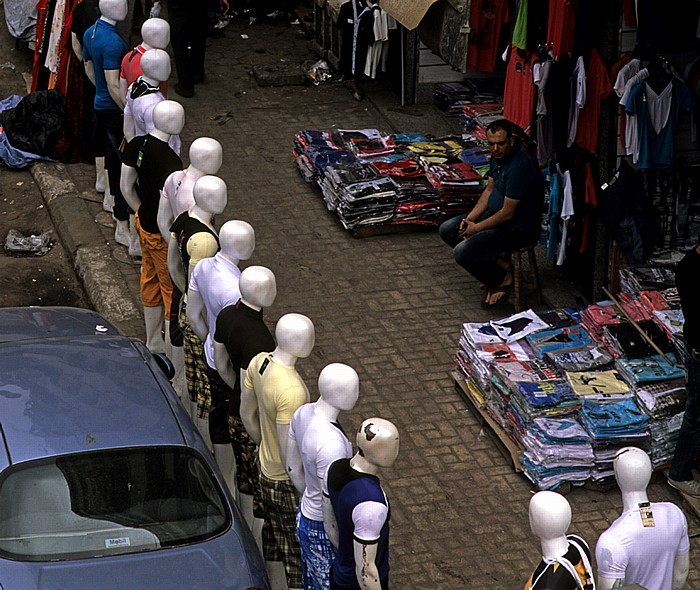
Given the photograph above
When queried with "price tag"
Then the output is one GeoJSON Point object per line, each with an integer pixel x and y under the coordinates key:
{"type": "Point", "coordinates": [647, 514]}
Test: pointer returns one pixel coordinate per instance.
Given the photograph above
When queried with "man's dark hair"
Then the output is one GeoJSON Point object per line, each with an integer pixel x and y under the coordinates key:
{"type": "Point", "coordinates": [501, 125]}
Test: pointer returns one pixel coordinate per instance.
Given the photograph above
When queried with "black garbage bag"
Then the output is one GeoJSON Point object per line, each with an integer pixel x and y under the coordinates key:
{"type": "Point", "coordinates": [37, 123]}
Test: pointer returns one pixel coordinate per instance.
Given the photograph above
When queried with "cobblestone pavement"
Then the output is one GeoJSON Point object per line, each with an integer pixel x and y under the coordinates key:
{"type": "Point", "coordinates": [390, 306]}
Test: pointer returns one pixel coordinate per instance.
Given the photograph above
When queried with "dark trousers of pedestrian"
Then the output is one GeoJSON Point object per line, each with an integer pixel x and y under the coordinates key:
{"type": "Point", "coordinates": [689, 437]}
{"type": "Point", "coordinates": [188, 36]}
{"type": "Point", "coordinates": [477, 254]}
{"type": "Point", "coordinates": [112, 122]}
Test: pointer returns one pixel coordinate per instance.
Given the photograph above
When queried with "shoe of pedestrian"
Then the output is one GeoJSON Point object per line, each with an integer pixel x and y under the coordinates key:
{"type": "Point", "coordinates": [689, 488]}
{"type": "Point", "coordinates": [184, 92]}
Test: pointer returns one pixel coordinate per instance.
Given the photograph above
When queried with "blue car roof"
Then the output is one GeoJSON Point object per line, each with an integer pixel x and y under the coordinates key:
{"type": "Point", "coordinates": [81, 393]}
{"type": "Point", "coordinates": [29, 323]}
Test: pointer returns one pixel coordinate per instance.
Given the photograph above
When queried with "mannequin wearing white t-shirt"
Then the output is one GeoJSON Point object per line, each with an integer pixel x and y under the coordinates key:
{"type": "Point", "coordinates": [648, 544]}
{"type": "Point", "coordinates": [258, 288]}
{"type": "Point", "coordinates": [206, 155]}
{"type": "Point", "coordinates": [217, 286]}
{"type": "Point", "coordinates": [168, 118]}
{"type": "Point", "coordinates": [295, 336]}
{"type": "Point", "coordinates": [377, 442]}
{"type": "Point", "coordinates": [155, 34]}
{"type": "Point", "coordinates": [315, 442]}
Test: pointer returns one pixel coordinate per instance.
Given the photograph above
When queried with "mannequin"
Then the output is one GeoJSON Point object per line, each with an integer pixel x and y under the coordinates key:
{"type": "Point", "coordinates": [144, 94]}
{"type": "Point", "coordinates": [550, 517]}
{"type": "Point", "coordinates": [271, 393]}
{"type": "Point", "coordinates": [316, 441]}
{"type": "Point", "coordinates": [148, 160]}
{"type": "Point", "coordinates": [213, 286]}
{"type": "Point", "coordinates": [240, 334]}
{"type": "Point", "coordinates": [648, 543]}
{"type": "Point", "coordinates": [356, 513]}
{"type": "Point", "coordinates": [193, 238]}
{"type": "Point", "coordinates": [155, 33]}
{"type": "Point", "coordinates": [103, 46]}
{"type": "Point", "coordinates": [176, 197]}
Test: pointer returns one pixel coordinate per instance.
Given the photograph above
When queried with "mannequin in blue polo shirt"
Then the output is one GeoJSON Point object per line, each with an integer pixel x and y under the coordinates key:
{"type": "Point", "coordinates": [356, 511]}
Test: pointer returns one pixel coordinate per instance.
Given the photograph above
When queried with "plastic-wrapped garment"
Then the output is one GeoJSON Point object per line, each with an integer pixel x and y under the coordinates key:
{"type": "Point", "coordinates": [20, 16]}
{"type": "Point", "coordinates": [36, 123]}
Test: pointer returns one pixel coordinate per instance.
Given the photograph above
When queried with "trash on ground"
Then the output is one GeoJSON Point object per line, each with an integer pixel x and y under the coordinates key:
{"type": "Point", "coordinates": [319, 72]}
{"type": "Point", "coordinates": [33, 244]}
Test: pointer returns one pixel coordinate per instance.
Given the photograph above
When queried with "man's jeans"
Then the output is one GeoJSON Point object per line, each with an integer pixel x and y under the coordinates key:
{"type": "Point", "coordinates": [689, 438]}
{"type": "Point", "coordinates": [477, 254]}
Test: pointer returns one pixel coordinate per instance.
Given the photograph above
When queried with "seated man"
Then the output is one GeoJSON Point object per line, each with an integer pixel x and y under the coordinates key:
{"type": "Point", "coordinates": [507, 215]}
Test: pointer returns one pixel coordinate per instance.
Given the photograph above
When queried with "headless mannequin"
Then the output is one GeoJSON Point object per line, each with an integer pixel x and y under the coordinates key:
{"type": "Point", "coordinates": [633, 472]}
{"type": "Point", "coordinates": [295, 337]}
{"type": "Point", "coordinates": [258, 289]}
{"type": "Point", "coordinates": [176, 198]}
{"type": "Point", "coordinates": [378, 446]}
{"type": "Point", "coordinates": [210, 196]}
{"type": "Point", "coordinates": [315, 442]}
{"type": "Point", "coordinates": [237, 242]}
{"type": "Point", "coordinates": [550, 517]}
{"type": "Point", "coordinates": [155, 33]}
{"type": "Point", "coordinates": [168, 118]}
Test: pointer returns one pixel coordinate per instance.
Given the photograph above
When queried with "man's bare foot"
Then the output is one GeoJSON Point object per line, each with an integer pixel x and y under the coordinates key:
{"type": "Point", "coordinates": [501, 292]}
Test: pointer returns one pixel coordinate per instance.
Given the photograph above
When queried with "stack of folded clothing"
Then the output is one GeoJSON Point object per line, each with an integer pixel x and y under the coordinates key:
{"type": "Point", "coordinates": [557, 339]}
{"type": "Point", "coordinates": [450, 96]}
{"type": "Point", "coordinates": [602, 386]}
{"type": "Point", "coordinates": [595, 317]}
{"type": "Point", "coordinates": [588, 357]}
{"type": "Point", "coordinates": [556, 451]}
{"type": "Point", "coordinates": [611, 427]}
{"type": "Point", "coordinates": [635, 279]}
{"type": "Point", "coordinates": [436, 151]}
{"type": "Point", "coordinates": [366, 143]}
{"type": "Point", "coordinates": [626, 340]}
{"type": "Point", "coordinates": [650, 369]}
{"type": "Point", "coordinates": [310, 146]}
{"type": "Point", "coordinates": [476, 118]}
{"type": "Point", "coordinates": [458, 187]}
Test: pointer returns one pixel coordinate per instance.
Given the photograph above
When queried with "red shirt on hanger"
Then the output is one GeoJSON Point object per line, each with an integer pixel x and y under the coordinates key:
{"type": "Point", "coordinates": [598, 86]}
{"type": "Point", "coordinates": [520, 91]}
{"type": "Point", "coordinates": [560, 26]}
{"type": "Point", "coordinates": [487, 18]}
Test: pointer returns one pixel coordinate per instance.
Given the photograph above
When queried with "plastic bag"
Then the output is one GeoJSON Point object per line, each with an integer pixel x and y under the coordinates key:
{"type": "Point", "coordinates": [319, 72]}
{"type": "Point", "coordinates": [37, 245]}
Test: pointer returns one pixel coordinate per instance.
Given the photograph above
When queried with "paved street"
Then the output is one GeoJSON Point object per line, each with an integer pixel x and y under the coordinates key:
{"type": "Point", "coordinates": [390, 306]}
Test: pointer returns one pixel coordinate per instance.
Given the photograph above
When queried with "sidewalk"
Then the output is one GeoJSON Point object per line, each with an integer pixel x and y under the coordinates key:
{"type": "Point", "coordinates": [390, 306]}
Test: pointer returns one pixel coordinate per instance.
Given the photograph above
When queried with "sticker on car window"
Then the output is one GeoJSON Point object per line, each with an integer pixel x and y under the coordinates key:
{"type": "Point", "coordinates": [117, 542]}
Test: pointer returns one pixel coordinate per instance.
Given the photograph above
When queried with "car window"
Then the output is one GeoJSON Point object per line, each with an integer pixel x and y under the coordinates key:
{"type": "Point", "coordinates": [107, 502]}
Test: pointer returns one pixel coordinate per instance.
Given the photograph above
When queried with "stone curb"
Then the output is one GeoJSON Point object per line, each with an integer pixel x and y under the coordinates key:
{"type": "Point", "coordinates": [80, 236]}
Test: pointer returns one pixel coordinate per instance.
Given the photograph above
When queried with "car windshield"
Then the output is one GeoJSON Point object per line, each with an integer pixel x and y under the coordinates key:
{"type": "Point", "coordinates": [108, 502]}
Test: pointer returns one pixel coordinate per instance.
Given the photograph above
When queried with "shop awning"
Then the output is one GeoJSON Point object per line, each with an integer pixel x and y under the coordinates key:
{"type": "Point", "coordinates": [408, 13]}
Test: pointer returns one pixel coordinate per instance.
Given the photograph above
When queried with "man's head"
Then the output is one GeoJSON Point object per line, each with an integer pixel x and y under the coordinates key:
{"type": "Point", "coordinates": [499, 136]}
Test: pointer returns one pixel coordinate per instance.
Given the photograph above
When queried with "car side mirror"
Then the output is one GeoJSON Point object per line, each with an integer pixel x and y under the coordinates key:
{"type": "Point", "coordinates": [165, 365]}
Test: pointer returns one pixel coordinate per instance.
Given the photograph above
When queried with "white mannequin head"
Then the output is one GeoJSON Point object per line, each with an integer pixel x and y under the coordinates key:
{"type": "Point", "coordinates": [169, 117]}
{"type": "Point", "coordinates": [155, 33]}
{"type": "Point", "coordinates": [378, 442]}
{"type": "Point", "coordinates": [155, 64]}
{"type": "Point", "coordinates": [295, 335]}
{"type": "Point", "coordinates": [206, 154]}
{"type": "Point", "coordinates": [237, 239]}
{"type": "Point", "coordinates": [632, 472]}
{"type": "Point", "coordinates": [114, 10]}
{"type": "Point", "coordinates": [258, 286]}
{"type": "Point", "coordinates": [339, 386]}
{"type": "Point", "coordinates": [210, 193]}
{"type": "Point", "coordinates": [550, 517]}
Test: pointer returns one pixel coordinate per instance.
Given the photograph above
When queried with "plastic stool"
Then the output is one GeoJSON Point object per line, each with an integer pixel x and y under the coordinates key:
{"type": "Point", "coordinates": [518, 283]}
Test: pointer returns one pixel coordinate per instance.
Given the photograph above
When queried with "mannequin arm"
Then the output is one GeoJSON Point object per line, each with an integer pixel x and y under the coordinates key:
{"type": "Point", "coordinates": [165, 216]}
{"type": "Point", "coordinates": [177, 274]}
{"type": "Point", "coordinates": [90, 71]}
{"type": "Point", "coordinates": [127, 184]}
{"type": "Point", "coordinates": [76, 45]}
{"type": "Point", "coordinates": [282, 439]}
{"type": "Point", "coordinates": [365, 566]}
{"type": "Point", "coordinates": [112, 77]}
{"type": "Point", "coordinates": [329, 522]}
{"type": "Point", "coordinates": [680, 570]}
{"type": "Point", "coordinates": [222, 362]}
{"type": "Point", "coordinates": [295, 466]}
{"type": "Point", "coordinates": [123, 87]}
{"type": "Point", "coordinates": [129, 127]}
{"type": "Point", "coordinates": [249, 414]}
{"type": "Point", "coordinates": [196, 314]}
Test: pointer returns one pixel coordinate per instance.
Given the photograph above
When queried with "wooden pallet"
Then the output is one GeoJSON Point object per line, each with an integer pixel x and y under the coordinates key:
{"type": "Point", "coordinates": [503, 442]}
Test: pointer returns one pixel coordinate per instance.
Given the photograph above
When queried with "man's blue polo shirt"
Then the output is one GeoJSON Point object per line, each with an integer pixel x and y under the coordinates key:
{"type": "Point", "coordinates": [104, 47]}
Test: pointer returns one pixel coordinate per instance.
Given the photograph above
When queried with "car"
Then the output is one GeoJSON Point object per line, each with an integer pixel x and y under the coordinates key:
{"type": "Point", "coordinates": [105, 481]}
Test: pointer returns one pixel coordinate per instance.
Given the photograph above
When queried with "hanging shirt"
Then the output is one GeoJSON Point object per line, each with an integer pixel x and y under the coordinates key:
{"type": "Point", "coordinates": [487, 18]}
{"type": "Point", "coordinates": [520, 91]}
{"type": "Point", "coordinates": [567, 210]}
{"type": "Point", "coordinates": [578, 98]}
{"type": "Point", "coordinates": [631, 140]}
{"type": "Point", "coordinates": [656, 150]}
{"type": "Point", "coordinates": [560, 26]}
{"type": "Point", "coordinates": [520, 29]}
{"type": "Point", "coordinates": [356, 22]}
{"type": "Point", "coordinates": [597, 88]}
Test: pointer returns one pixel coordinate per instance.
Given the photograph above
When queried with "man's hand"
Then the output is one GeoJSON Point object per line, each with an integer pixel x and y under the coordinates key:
{"type": "Point", "coordinates": [467, 228]}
